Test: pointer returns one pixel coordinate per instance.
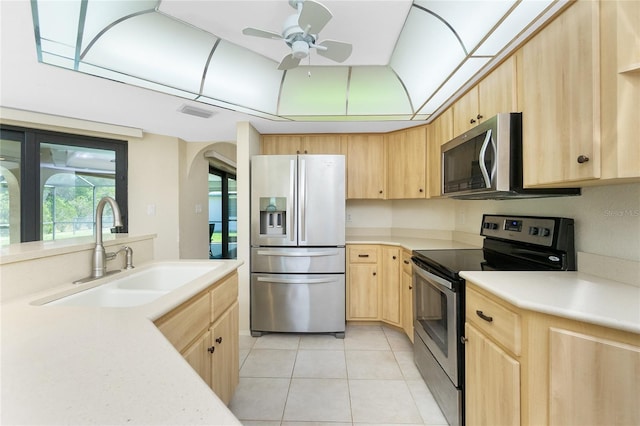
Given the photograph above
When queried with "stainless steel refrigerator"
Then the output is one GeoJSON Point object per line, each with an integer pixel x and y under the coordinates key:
{"type": "Point", "coordinates": [297, 244]}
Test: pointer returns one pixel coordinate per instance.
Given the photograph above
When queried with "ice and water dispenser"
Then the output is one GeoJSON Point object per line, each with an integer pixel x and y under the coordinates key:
{"type": "Point", "coordinates": [273, 216]}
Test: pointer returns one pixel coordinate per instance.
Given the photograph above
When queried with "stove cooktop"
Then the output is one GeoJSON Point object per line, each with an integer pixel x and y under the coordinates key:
{"type": "Point", "coordinates": [450, 262]}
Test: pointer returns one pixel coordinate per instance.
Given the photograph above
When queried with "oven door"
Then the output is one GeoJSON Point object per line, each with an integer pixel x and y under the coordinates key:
{"type": "Point", "coordinates": [436, 316]}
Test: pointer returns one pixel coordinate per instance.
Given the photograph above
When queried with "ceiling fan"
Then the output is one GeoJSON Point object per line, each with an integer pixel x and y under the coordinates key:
{"type": "Point", "coordinates": [300, 32]}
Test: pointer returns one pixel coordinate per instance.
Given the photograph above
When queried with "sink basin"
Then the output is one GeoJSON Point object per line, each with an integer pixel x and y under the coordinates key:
{"type": "Point", "coordinates": [138, 287]}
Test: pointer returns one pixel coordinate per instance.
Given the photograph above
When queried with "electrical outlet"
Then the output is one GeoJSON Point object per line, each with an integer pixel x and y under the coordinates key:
{"type": "Point", "coordinates": [348, 217]}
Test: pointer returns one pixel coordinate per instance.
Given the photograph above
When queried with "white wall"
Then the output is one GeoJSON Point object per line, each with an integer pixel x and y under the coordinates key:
{"type": "Point", "coordinates": [607, 217]}
{"type": "Point", "coordinates": [248, 144]}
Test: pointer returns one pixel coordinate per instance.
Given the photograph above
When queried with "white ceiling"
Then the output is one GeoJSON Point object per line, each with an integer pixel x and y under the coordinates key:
{"type": "Point", "coordinates": [28, 85]}
{"type": "Point", "coordinates": [372, 26]}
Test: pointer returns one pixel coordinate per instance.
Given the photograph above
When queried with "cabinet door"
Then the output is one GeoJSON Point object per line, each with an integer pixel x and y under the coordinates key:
{"type": "Point", "coordinates": [592, 380]}
{"type": "Point", "coordinates": [224, 362]}
{"type": "Point", "coordinates": [391, 295]}
{"type": "Point", "coordinates": [366, 167]}
{"type": "Point", "coordinates": [281, 144]}
{"type": "Point", "coordinates": [497, 92]}
{"type": "Point", "coordinates": [363, 291]}
{"type": "Point", "coordinates": [559, 101]}
{"type": "Point", "coordinates": [407, 294]}
{"type": "Point", "coordinates": [322, 144]}
{"type": "Point", "coordinates": [407, 163]}
{"type": "Point", "coordinates": [465, 112]}
{"type": "Point", "coordinates": [439, 132]}
{"type": "Point", "coordinates": [492, 382]}
{"type": "Point", "coordinates": [199, 357]}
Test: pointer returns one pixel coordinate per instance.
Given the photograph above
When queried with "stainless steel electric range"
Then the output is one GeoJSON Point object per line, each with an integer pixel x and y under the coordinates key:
{"type": "Point", "coordinates": [512, 243]}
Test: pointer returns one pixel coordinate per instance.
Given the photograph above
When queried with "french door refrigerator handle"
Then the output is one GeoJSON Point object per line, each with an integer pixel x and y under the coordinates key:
{"type": "Point", "coordinates": [483, 153]}
{"type": "Point", "coordinates": [295, 280]}
{"type": "Point", "coordinates": [291, 202]}
{"type": "Point", "coordinates": [297, 254]}
{"type": "Point", "coordinates": [302, 193]}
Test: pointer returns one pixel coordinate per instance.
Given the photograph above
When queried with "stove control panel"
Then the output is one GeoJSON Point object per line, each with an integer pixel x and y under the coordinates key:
{"type": "Point", "coordinates": [525, 229]}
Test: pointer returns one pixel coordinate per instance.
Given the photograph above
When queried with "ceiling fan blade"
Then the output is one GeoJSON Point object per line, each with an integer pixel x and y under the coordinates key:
{"type": "Point", "coordinates": [335, 50]}
{"type": "Point", "coordinates": [314, 16]}
{"type": "Point", "coordinates": [261, 33]}
{"type": "Point", "coordinates": [289, 62]}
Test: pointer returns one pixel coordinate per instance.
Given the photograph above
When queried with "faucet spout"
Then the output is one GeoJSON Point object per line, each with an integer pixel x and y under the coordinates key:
{"type": "Point", "coordinates": [99, 255]}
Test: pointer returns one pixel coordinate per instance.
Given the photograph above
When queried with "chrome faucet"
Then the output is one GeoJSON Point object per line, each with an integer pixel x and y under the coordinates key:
{"type": "Point", "coordinates": [99, 267]}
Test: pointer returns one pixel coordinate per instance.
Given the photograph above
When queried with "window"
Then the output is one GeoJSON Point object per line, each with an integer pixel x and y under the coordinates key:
{"type": "Point", "coordinates": [50, 183]}
{"type": "Point", "coordinates": [223, 220]}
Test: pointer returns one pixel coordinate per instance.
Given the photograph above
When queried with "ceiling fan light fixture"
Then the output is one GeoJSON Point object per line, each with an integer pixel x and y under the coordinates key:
{"type": "Point", "coordinates": [300, 49]}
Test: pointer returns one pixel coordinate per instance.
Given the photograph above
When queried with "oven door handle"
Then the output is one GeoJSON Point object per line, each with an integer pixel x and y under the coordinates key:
{"type": "Point", "coordinates": [433, 278]}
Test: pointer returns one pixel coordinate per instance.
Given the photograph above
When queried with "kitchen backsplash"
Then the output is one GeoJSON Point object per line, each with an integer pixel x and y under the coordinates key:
{"type": "Point", "coordinates": [607, 217]}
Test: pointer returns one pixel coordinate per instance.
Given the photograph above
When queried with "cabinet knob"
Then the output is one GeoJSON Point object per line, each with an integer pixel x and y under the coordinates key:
{"type": "Point", "coordinates": [582, 159]}
{"type": "Point", "coordinates": [374, 274]}
{"type": "Point", "coordinates": [211, 349]}
{"type": "Point", "coordinates": [406, 262]}
{"type": "Point", "coordinates": [463, 340]}
{"type": "Point", "coordinates": [381, 191]}
{"type": "Point", "coordinates": [410, 288]}
{"type": "Point", "coordinates": [421, 190]}
{"type": "Point", "coordinates": [219, 340]}
{"type": "Point", "coordinates": [473, 120]}
{"type": "Point", "coordinates": [297, 151]}
{"type": "Point", "coordinates": [393, 257]}
{"type": "Point", "coordinates": [479, 117]}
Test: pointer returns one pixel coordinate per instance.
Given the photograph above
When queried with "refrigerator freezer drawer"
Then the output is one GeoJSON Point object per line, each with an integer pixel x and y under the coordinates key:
{"type": "Point", "coordinates": [300, 260]}
{"type": "Point", "coordinates": [298, 303]}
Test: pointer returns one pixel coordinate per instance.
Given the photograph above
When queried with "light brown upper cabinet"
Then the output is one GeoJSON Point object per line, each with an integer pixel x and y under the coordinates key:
{"type": "Point", "coordinates": [366, 166]}
{"type": "Point", "coordinates": [559, 99]}
{"type": "Point", "coordinates": [496, 93]}
{"type": "Point", "coordinates": [301, 144]}
{"type": "Point", "coordinates": [280, 144]}
{"type": "Point", "coordinates": [439, 132]}
{"type": "Point", "coordinates": [580, 97]}
{"type": "Point", "coordinates": [407, 163]}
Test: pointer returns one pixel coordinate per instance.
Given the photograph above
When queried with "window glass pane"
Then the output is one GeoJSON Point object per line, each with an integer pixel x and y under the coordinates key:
{"type": "Point", "coordinates": [73, 180]}
{"type": "Point", "coordinates": [233, 218]}
{"type": "Point", "coordinates": [10, 160]}
{"type": "Point", "coordinates": [215, 216]}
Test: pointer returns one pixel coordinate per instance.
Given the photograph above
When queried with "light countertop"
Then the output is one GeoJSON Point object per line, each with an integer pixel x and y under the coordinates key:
{"type": "Point", "coordinates": [83, 365]}
{"type": "Point", "coordinates": [573, 295]}
{"type": "Point", "coordinates": [410, 243]}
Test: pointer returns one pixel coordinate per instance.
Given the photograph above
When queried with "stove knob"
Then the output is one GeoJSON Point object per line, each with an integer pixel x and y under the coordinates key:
{"type": "Point", "coordinates": [494, 226]}
{"type": "Point", "coordinates": [533, 230]}
{"type": "Point", "coordinates": [545, 232]}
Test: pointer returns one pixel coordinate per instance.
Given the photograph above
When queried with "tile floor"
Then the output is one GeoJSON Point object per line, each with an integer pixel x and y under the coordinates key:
{"type": "Point", "coordinates": [367, 378]}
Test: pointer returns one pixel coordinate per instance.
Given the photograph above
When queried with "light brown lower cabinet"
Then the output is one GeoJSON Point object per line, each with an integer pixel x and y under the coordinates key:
{"type": "Point", "coordinates": [378, 288]}
{"type": "Point", "coordinates": [205, 331]}
{"type": "Point", "coordinates": [529, 368]}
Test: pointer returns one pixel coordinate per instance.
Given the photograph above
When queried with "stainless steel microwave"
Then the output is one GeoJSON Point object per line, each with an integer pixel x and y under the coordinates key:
{"type": "Point", "coordinates": [486, 163]}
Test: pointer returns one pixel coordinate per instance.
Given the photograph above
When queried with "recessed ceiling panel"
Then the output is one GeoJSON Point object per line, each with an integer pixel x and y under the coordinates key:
{"type": "Point", "coordinates": [470, 67]}
{"type": "Point", "coordinates": [59, 39]}
{"type": "Point", "coordinates": [376, 91]}
{"type": "Point", "coordinates": [102, 14]}
{"type": "Point", "coordinates": [513, 24]}
{"type": "Point", "coordinates": [157, 48]}
{"type": "Point", "coordinates": [425, 55]}
{"type": "Point", "coordinates": [242, 77]}
{"type": "Point", "coordinates": [471, 20]}
{"type": "Point", "coordinates": [350, 118]}
{"type": "Point", "coordinates": [314, 91]}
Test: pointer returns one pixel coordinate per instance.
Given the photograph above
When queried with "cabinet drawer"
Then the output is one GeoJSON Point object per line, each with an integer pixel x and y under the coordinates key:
{"type": "Point", "coordinates": [223, 296]}
{"type": "Point", "coordinates": [186, 322]}
{"type": "Point", "coordinates": [363, 254]}
{"type": "Point", "coordinates": [406, 262]}
{"type": "Point", "coordinates": [495, 320]}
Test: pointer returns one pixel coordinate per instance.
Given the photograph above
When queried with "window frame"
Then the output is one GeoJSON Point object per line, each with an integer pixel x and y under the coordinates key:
{"type": "Point", "coordinates": [30, 199]}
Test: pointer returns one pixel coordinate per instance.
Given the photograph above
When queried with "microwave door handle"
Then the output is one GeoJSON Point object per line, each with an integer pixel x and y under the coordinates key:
{"type": "Point", "coordinates": [483, 153]}
{"type": "Point", "coordinates": [494, 167]}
